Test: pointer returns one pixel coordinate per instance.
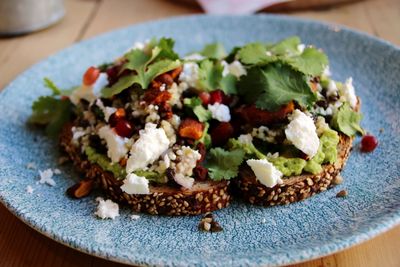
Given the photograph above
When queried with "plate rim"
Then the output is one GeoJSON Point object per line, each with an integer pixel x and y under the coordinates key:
{"type": "Point", "coordinates": [385, 223]}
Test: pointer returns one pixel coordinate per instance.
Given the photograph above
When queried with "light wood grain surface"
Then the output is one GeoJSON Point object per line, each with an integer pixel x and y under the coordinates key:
{"type": "Point", "coordinates": [22, 246]}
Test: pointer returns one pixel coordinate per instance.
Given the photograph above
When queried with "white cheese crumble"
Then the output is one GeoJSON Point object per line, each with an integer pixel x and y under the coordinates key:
{"type": "Point", "coordinates": [194, 57]}
{"type": "Point", "coordinates": [46, 177]}
{"type": "Point", "coordinates": [134, 184]}
{"type": "Point", "coordinates": [117, 145]}
{"type": "Point", "coordinates": [348, 93]}
{"type": "Point", "coordinates": [301, 132]}
{"type": "Point", "coordinates": [185, 181]}
{"type": "Point", "coordinates": [332, 88]}
{"type": "Point", "coordinates": [235, 68]}
{"type": "Point", "coordinates": [190, 74]}
{"type": "Point", "coordinates": [77, 132]}
{"type": "Point", "coordinates": [29, 189]}
{"type": "Point", "coordinates": [301, 47]}
{"type": "Point", "coordinates": [265, 172]}
{"type": "Point", "coordinates": [57, 171]}
{"type": "Point", "coordinates": [106, 209]}
{"type": "Point", "coordinates": [220, 112]}
{"type": "Point", "coordinates": [135, 217]}
{"type": "Point", "coordinates": [107, 111]}
{"type": "Point", "coordinates": [152, 143]}
{"type": "Point", "coordinates": [245, 139]}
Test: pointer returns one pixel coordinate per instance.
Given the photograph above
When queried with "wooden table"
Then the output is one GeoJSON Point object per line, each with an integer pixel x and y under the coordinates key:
{"type": "Point", "coordinates": [22, 246]}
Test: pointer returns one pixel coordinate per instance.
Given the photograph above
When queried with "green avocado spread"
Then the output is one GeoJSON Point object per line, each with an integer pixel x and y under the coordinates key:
{"type": "Point", "coordinates": [117, 170]}
{"type": "Point", "coordinates": [327, 153]}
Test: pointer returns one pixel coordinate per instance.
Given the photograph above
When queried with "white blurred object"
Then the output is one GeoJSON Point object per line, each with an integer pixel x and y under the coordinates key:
{"type": "Point", "coordinates": [24, 16]}
{"type": "Point", "coordinates": [236, 6]}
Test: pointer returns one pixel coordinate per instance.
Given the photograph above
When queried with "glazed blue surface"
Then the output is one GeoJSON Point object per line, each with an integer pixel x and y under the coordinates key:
{"type": "Point", "coordinates": [252, 235]}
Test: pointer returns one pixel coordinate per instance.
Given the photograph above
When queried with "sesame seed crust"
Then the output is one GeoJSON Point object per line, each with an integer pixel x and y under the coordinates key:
{"type": "Point", "coordinates": [163, 200]}
{"type": "Point", "coordinates": [294, 188]}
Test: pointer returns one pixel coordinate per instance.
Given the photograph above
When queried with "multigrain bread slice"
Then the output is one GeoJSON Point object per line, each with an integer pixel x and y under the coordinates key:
{"type": "Point", "coordinates": [163, 200]}
{"type": "Point", "coordinates": [294, 188]}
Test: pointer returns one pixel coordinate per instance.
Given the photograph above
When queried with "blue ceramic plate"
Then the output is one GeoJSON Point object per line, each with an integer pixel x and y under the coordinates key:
{"type": "Point", "coordinates": [252, 235]}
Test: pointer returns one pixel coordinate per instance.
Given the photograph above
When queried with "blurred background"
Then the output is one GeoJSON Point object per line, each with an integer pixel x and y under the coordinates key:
{"type": "Point", "coordinates": [31, 30]}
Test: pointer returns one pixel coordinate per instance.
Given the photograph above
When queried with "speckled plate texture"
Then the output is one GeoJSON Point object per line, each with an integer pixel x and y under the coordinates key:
{"type": "Point", "coordinates": [252, 235]}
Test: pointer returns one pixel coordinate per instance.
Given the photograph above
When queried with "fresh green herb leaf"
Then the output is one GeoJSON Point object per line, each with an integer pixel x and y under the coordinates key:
{"type": "Point", "coordinates": [167, 49]}
{"type": "Point", "coordinates": [311, 62]}
{"type": "Point", "coordinates": [224, 164]}
{"type": "Point", "coordinates": [52, 86]}
{"type": "Point", "coordinates": [195, 104]}
{"type": "Point", "coordinates": [232, 55]}
{"type": "Point", "coordinates": [254, 54]}
{"type": "Point", "coordinates": [275, 85]}
{"type": "Point", "coordinates": [228, 84]}
{"type": "Point", "coordinates": [248, 148]}
{"type": "Point", "coordinates": [214, 51]}
{"type": "Point", "coordinates": [347, 121]}
{"type": "Point", "coordinates": [52, 112]}
{"type": "Point", "coordinates": [287, 46]}
{"type": "Point", "coordinates": [210, 75]}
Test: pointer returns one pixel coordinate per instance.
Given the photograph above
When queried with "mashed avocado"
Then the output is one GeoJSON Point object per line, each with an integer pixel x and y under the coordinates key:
{"type": "Point", "coordinates": [327, 153]}
{"type": "Point", "coordinates": [118, 171]}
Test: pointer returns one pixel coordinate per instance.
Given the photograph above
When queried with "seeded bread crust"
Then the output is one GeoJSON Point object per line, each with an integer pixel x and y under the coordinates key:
{"type": "Point", "coordinates": [163, 200]}
{"type": "Point", "coordinates": [294, 188]}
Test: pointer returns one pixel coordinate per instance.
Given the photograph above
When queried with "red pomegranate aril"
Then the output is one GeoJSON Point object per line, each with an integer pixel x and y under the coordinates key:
{"type": "Point", "coordinates": [124, 128]}
{"type": "Point", "coordinates": [116, 116]}
{"type": "Point", "coordinates": [205, 98]}
{"type": "Point", "coordinates": [91, 76]}
{"type": "Point", "coordinates": [368, 143]}
{"type": "Point", "coordinates": [216, 96]}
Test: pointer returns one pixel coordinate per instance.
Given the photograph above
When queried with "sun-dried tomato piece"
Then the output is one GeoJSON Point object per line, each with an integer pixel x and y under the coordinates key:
{"type": "Point", "coordinates": [190, 128]}
{"type": "Point", "coordinates": [255, 116]}
{"type": "Point", "coordinates": [165, 111]}
{"type": "Point", "coordinates": [176, 72]}
{"type": "Point", "coordinates": [165, 78]}
{"type": "Point", "coordinates": [156, 97]}
{"type": "Point", "coordinates": [221, 133]}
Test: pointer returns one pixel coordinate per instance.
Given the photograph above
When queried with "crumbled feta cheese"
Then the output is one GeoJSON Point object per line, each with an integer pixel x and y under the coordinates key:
{"type": "Point", "coordinates": [245, 139]}
{"type": "Point", "coordinates": [163, 87]}
{"type": "Point", "coordinates": [29, 189]}
{"type": "Point", "coordinates": [57, 171]}
{"type": "Point", "coordinates": [301, 132]}
{"type": "Point", "coordinates": [46, 177]}
{"type": "Point", "coordinates": [117, 145]}
{"type": "Point", "coordinates": [31, 166]}
{"type": "Point", "coordinates": [274, 155]}
{"type": "Point", "coordinates": [301, 47]}
{"type": "Point", "coordinates": [348, 93]}
{"type": "Point", "coordinates": [135, 217]}
{"type": "Point", "coordinates": [185, 181]}
{"type": "Point", "coordinates": [190, 74]}
{"type": "Point", "coordinates": [152, 143]}
{"type": "Point", "coordinates": [134, 184]}
{"type": "Point", "coordinates": [188, 160]}
{"type": "Point", "coordinates": [332, 88]}
{"type": "Point", "coordinates": [107, 111]}
{"type": "Point", "coordinates": [220, 112]}
{"type": "Point", "coordinates": [106, 209]}
{"type": "Point", "coordinates": [268, 53]}
{"type": "Point", "coordinates": [77, 132]}
{"type": "Point", "coordinates": [141, 46]}
{"type": "Point", "coordinates": [194, 57]}
{"type": "Point", "coordinates": [83, 92]}
{"type": "Point", "coordinates": [265, 172]}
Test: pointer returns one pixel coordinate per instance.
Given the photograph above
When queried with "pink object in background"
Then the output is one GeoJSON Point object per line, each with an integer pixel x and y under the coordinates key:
{"type": "Point", "coordinates": [236, 6]}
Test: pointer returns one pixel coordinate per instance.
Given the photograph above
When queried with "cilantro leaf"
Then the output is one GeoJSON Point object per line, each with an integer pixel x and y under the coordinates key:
{"type": "Point", "coordinates": [214, 51]}
{"type": "Point", "coordinates": [167, 49]}
{"type": "Point", "coordinates": [224, 164]}
{"type": "Point", "coordinates": [52, 86]}
{"type": "Point", "coordinates": [201, 113]}
{"type": "Point", "coordinates": [311, 61]}
{"type": "Point", "coordinates": [210, 75]}
{"type": "Point", "coordinates": [286, 46]}
{"type": "Point", "coordinates": [275, 85]}
{"type": "Point", "coordinates": [228, 84]}
{"type": "Point", "coordinates": [254, 54]}
{"type": "Point", "coordinates": [52, 112]}
{"type": "Point", "coordinates": [232, 55]}
{"type": "Point", "coordinates": [347, 121]}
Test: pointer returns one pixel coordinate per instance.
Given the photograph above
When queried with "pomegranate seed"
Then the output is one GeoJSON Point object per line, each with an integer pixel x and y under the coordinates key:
{"type": "Point", "coordinates": [221, 133]}
{"type": "Point", "coordinates": [368, 143]}
{"type": "Point", "coordinates": [116, 116]}
{"type": "Point", "coordinates": [124, 128]}
{"type": "Point", "coordinates": [216, 96]}
{"type": "Point", "coordinates": [205, 98]}
{"type": "Point", "coordinates": [91, 76]}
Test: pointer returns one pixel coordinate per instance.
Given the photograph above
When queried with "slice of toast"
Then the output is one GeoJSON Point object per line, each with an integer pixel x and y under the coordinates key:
{"type": "Point", "coordinates": [163, 199]}
{"type": "Point", "coordinates": [294, 188]}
